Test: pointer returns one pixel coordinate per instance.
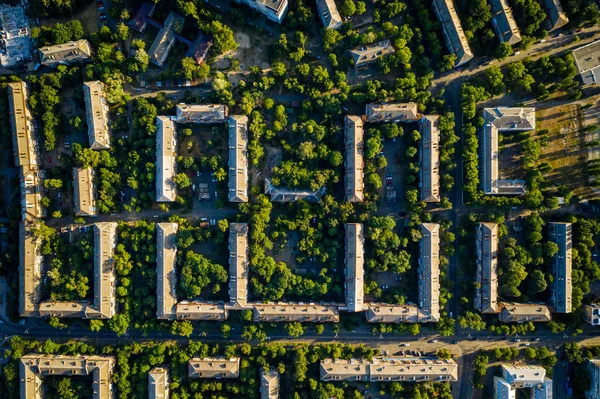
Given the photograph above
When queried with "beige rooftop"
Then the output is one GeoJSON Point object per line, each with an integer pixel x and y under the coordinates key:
{"type": "Point", "coordinates": [277, 312]}
{"type": "Point", "coordinates": [96, 111]}
{"type": "Point", "coordinates": [166, 274]}
{"type": "Point", "coordinates": [33, 367]}
{"type": "Point", "coordinates": [455, 37]}
{"type": "Point", "coordinates": [407, 369]}
{"type": "Point", "coordinates": [30, 263]}
{"type": "Point", "coordinates": [238, 158]}
{"type": "Point", "coordinates": [65, 54]}
{"type": "Point", "coordinates": [486, 295]}
{"type": "Point", "coordinates": [354, 162]}
{"type": "Point", "coordinates": [158, 383]}
{"type": "Point", "coordinates": [369, 53]}
{"type": "Point", "coordinates": [197, 310]}
{"type": "Point", "coordinates": [84, 193]}
{"type": "Point", "coordinates": [355, 260]}
{"type": "Point", "coordinates": [201, 113]}
{"type": "Point", "coordinates": [429, 270]}
{"type": "Point", "coordinates": [238, 264]}
{"type": "Point", "coordinates": [21, 121]}
{"type": "Point", "coordinates": [269, 384]}
{"type": "Point", "coordinates": [214, 368]}
{"type": "Point", "coordinates": [166, 155]}
{"type": "Point", "coordinates": [31, 193]}
{"type": "Point", "coordinates": [396, 112]}
{"type": "Point", "coordinates": [430, 158]}
{"type": "Point", "coordinates": [524, 312]}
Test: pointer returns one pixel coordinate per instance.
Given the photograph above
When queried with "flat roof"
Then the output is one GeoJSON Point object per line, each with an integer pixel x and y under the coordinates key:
{"type": "Point", "coordinates": [17, 36]}
{"type": "Point", "coordinates": [392, 313]}
{"type": "Point", "coordinates": [284, 194]}
{"type": "Point", "coordinates": [84, 193]}
{"type": "Point", "coordinates": [96, 111]}
{"type": "Point", "coordinates": [355, 260]}
{"type": "Point", "coordinates": [394, 112]}
{"type": "Point", "coordinates": [214, 368]}
{"type": "Point", "coordinates": [238, 263]}
{"type": "Point", "coordinates": [21, 121]}
{"type": "Point", "coordinates": [66, 53]}
{"type": "Point", "coordinates": [455, 37]}
{"type": "Point", "coordinates": [238, 158]}
{"type": "Point", "coordinates": [561, 234]}
{"type": "Point", "coordinates": [430, 158]}
{"type": "Point", "coordinates": [277, 312]}
{"type": "Point", "coordinates": [523, 373]}
{"type": "Point", "coordinates": [486, 295]}
{"type": "Point", "coordinates": [407, 369]}
{"type": "Point", "coordinates": [587, 59]}
{"type": "Point", "coordinates": [354, 161]}
{"type": "Point", "coordinates": [166, 273]}
{"type": "Point", "coordinates": [429, 270]}
{"type": "Point", "coordinates": [166, 159]}
{"type": "Point", "coordinates": [368, 53]}
{"type": "Point", "coordinates": [31, 193]}
{"type": "Point", "coordinates": [201, 113]}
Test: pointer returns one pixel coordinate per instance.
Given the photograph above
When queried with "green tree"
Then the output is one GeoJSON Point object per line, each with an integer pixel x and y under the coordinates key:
{"type": "Point", "coordinates": [294, 329]}
{"type": "Point", "coordinates": [348, 8]}
{"type": "Point", "coordinates": [537, 282]}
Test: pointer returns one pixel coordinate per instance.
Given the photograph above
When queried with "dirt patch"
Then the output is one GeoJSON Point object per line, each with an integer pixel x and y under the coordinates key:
{"type": "Point", "coordinates": [88, 16]}
{"type": "Point", "coordinates": [565, 150]}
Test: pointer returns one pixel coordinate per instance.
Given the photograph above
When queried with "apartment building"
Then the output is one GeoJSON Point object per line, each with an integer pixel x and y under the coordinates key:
{"type": "Point", "coordinates": [389, 313]}
{"type": "Point", "coordinates": [30, 272]}
{"type": "Point", "coordinates": [219, 368]}
{"type": "Point", "coordinates": [561, 234]}
{"type": "Point", "coordinates": [201, 310]}
{"type": "Point", "coordinates": [557, 16]}
{"type": "Point", "coordinates": [355, 261]}
{"type": "Point", "coordinates": [486, 293]}
{"type": "Point", "coordinates": [269, 384]}
{"type": "Point", "coordinates": [396, 112]}
{"type": "Point", "coordinates": [429, 157]}
{"type": "Point", "coordinates": [369, 53]}
{"type": "Point", "coordinates": [429, 270]}
{"type": "Point", "coordinates": [30, 178]}
{"type": "Point", "coordinates": [66, 54]}
{"type": "Point", "coordinates": [33, 367]}
{"type": "Point", "coordinates": [354, 159]}
{"type": "Point", "coordinates": [284, 194]}
{"type": "Point", "coordinates": [201, 113]}
{"type": "Point", "coordinates": [454, 35]}
{"type": "Point", "coordinates": [587, 60]}
{"type": "Point", "coordinates": [166, 159]}
{"type": "Point", "coordinates": [84, 196]}
{"type": "Point", "coordinates": [105, 242]}
{"type": "Point", "coordinates": [238, 264]}
{"type": "Point", "coordinates": [404, 369]}
{"type": "Point", "coordinates": [593, 366]}
{"type": "Point", "coordinates": [329, 14]}
{"type": "Point", "coordinates": [275, 10]}
{"type": "Point", "coordinates": [21, 121]}
{"type": "Point", "coordinates": [521, 376]}
{"type": "Point", "coordinates": [96, 111]}
{"type": "Point", "coordinates": [591, 314]}
{"type": "Point", "coordinates": [524, 312]}
{"type": "Point", "coordinates": [287, 311]}
{"type": "Point", "coordinates": [498, 120]}
{"type": "Point", "coordinates": [504, 22]}
{"type": "Point", "coordinates": [164, 41]}
{"type": "Point", "coordinates": [158, 383]}
{"type": "Point", "coordinates": [166, 274]}
{"type": "Point", "coordinates": [238, 158]}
